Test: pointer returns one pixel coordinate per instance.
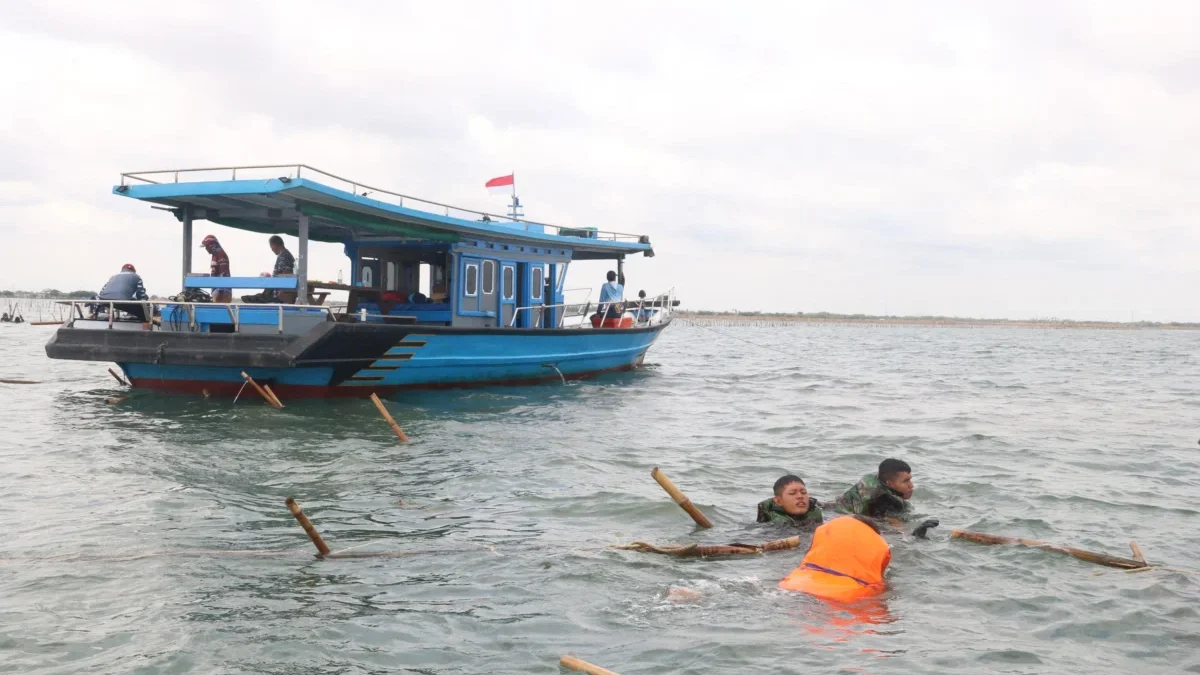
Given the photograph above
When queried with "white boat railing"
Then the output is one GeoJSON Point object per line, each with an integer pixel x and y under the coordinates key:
{"type": "Point", "coordinates": [583, 305]}
{"type": "Point", "coordinates": [664, 303]}
{"type": "Point", "coordinates": [359, 189]}
{"type": "Point", "coordinates": [81, 309]}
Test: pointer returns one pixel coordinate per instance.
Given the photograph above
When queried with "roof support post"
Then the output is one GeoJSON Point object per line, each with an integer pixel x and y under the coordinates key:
{"type": "Point", "coordinates": [187, 243]}
{"type": "Point", "coordinates": [302, 262]}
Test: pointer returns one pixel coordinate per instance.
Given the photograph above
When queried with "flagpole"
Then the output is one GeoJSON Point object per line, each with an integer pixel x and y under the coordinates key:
{"type": "Point", "coordinates": [513, 208]}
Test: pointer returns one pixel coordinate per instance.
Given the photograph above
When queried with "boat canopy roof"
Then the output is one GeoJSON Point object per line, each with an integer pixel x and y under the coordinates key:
{"type": "Point", "coordinates": [341, 210]}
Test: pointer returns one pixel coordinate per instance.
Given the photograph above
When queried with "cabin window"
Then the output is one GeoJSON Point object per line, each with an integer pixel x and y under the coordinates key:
{"type": "Point", "coordinates": [538, 282]}
{"type": "Point", "coordinates": [390, 284]}
{"type": "Point", "coordinates": [507, 283]}
{"type": "Point", "coordinates": [471, 284]}
{"type": "Point", "coordinates": [489, 277]}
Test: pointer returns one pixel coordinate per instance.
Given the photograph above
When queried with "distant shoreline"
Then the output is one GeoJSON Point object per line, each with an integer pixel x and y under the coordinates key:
{"type": "Point", "coordinates": [715, 319]}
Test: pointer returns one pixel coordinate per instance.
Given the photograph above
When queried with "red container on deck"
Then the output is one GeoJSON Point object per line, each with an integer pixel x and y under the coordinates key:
{"type": "Point", "coordinates": [623, 322]}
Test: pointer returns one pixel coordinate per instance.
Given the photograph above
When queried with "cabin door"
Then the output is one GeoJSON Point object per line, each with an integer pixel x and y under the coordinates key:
{"type": "Point", "coordinates": [537, 295]}
{"type": "Point", "coordinates": [508, 293]}
{"type": "Point", "coordinates": [487, 290]}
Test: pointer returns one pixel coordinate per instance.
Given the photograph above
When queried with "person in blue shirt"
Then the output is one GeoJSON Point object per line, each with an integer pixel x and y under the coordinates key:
{"type": "Point", "coordinates": [611, 296]}
{"type": "Point", "coordinates": [125, 285]}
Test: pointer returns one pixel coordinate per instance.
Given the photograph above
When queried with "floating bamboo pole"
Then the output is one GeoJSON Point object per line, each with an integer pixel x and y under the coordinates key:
{"type": "Point", "coordinates": [322, 548]}
{"type": "Point", "coordinates": [680, 498]}
{"type": "Point", "coordinates": [20, 382]}
{"type": "Point", "coordinates": [713, 550]}
{"type": "Point", "coordinates": [45, 323]}
{"type": "Point", "coordinates": [117, 377]}
{"type": "Point", "coordinates": [115, 400]}
{"type": "Point", "coordinates": [274, 398]}
{"type": "Point", "coordinates": [583, 666]}
{"type": "Point", "coordinates": [1137, 552]}
{"type": "Point", "coordinates": [261, 392]}
{"type": "Point", "coordinates": [388, 418]}
{"type": "Point", "coordinates": [1089, 556]}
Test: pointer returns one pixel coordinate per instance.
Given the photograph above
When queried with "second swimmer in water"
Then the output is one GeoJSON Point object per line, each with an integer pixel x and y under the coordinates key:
{"type": "Point", "coordinates": [791, 505]}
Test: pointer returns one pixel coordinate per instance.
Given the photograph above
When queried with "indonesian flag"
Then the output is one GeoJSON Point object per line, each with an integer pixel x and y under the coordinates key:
{"type": "Point", "coordinates": [500, 186]}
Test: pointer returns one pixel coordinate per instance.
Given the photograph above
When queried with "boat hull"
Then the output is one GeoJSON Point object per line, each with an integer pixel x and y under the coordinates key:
{"type": "Point", "coordinates": [340, 360]}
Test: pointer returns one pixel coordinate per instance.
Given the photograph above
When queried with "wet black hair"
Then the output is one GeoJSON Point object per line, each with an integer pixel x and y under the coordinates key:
{"type": "Point", "coordinates": [612, 276]}
{"type": "Point", "coordinates": [889, 467]}
{"type": "Point", "coordinates": [869, 522]}
{"type": "Point", "coordinates": [276, 239]}
{"type": "Point", "coordinates": [786, 481]}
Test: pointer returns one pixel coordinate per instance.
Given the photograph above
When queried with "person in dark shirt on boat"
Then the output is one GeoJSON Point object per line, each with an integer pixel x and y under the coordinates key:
{"type": "Point", "coordinates": [125, 285]}
{"type": "Point", "coordinates": [219, 267]}
{"type": "Point", "coordinates": [285, 263]}
{"type": "Point", "coordinates": [791, 504]}
{"type": "Point", "coordinates": [883, 493]}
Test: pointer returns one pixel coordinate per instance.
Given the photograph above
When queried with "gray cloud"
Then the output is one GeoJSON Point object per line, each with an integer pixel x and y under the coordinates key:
{"type": "Point", "coordinates": [1034, 157]}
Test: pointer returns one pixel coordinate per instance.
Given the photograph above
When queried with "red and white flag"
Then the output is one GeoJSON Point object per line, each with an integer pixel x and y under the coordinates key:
{"type": "Point", "coordinates": [500, 186]}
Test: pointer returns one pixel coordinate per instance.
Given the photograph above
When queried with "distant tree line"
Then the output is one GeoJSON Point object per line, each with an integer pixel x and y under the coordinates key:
{"type": "Point", "coordinates": [48, 294]}
{"type": "Point", "coordinates": [924, 318]}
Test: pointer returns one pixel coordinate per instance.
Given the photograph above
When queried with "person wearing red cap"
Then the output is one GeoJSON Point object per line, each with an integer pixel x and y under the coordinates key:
{"type": "Point", "coordinates": [218, 268]}
{"type": "Point", "coordinates": [126, 285]}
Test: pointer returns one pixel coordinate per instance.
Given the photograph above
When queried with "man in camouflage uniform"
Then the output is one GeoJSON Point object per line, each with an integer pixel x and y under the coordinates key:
{"type": "Point", "coordinates": [285, 263]}
{"type": "Point", "coordinates": [791, 505]}
{"type": "Point", "coordinates": [219, 267]}
{"type": "Point", "coordinates": [881, 494]}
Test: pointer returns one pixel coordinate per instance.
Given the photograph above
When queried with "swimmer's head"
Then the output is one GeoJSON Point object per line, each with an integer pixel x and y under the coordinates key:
{"type": "Point", "coordinates": [791, 495]}
{"type": "Point", "coordinates": [897, 474]}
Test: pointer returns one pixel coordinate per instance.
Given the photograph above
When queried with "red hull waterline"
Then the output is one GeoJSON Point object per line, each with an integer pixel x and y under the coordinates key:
{"type": "Point", "coordinates": [294, 391]}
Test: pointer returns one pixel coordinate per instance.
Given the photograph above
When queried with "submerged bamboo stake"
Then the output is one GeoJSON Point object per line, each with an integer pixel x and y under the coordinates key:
{"type": "Point", "coordinates": [261, 392]}
{"type": "Point", "coordinates": [388, 418]}
{"type": "Point", "coordinates": [274, 398]}
{"type": "Point", "coordinates": [712, 550]}
{"type": "Point", "coordinates": [1137, 552]}
{"type": "Point", "coordinates": [1089, 556]}
{"type": "Point", "coordinates": [308, 527]}
{"type": "Point", "coordinates": [583, 666]}
{"type": "Point", "coordinates": [680, 498]}
{"type": "Point", "coordinates": [118, 377]}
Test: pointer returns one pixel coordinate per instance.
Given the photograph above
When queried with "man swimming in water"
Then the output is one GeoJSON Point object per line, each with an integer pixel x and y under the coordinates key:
{"type": "Point", "coordinates": [884, 493]}
{"type": "Point", "coordinates": [791, 504]}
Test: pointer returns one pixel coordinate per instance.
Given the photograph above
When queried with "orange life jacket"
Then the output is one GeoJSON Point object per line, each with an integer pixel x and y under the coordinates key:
{"type": "Point", "coordinates": [845, 562]}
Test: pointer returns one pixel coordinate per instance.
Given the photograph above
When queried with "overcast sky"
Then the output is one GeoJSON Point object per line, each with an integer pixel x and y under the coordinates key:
{"type": "Point", "coordinates": [975, 159]}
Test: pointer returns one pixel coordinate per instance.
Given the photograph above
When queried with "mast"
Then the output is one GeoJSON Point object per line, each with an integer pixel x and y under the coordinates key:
{"type": "Point", "coordinates": [514, 210]}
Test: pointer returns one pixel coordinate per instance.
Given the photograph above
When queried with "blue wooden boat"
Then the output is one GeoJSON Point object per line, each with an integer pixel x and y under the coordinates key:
{"type": "Point", "coordinates": [493, 310]}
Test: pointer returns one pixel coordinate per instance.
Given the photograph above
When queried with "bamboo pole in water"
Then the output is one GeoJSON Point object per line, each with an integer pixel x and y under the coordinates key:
{"type": "Point", "coordinates": [298, 513]}
{"type": "Point", "coordinates": [20, 382]}
{"type": "Point", "coordinates": [1089, 556]}
{"type": "Point", "coordinates": [274, 398]}
{"type": "Point", "coordinates": [713, 550]}
{"type": "Point", "coordinates": [583, 666]}
{"type": "Point", "coordinates": [1137, 552]}
{"type": "Point", "coordinates": [388, 418]}
{"type": "Point", "coordinates": [680, 498]}
{"type": "Point", "coordinates": [260, 391]}
{"type": "Point", "coordinates": [117, 377]}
